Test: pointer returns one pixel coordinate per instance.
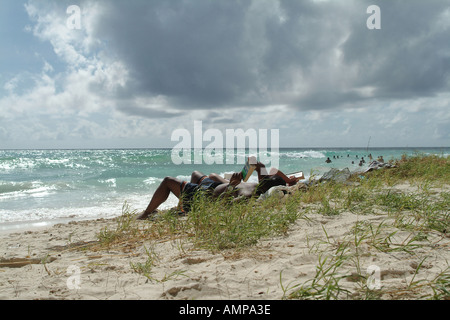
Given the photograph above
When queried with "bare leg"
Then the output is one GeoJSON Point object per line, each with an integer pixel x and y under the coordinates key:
{"type": "Point", "coordinates": [218, 178]}
{"type": "Point", "coordinates": [289, 180]}
{"type": "Point", "coordinates": [195, 176]}
{"type": "Point", "coordinates": [161, 194]}
{"type": "Point", "coordinates": [261, 170]}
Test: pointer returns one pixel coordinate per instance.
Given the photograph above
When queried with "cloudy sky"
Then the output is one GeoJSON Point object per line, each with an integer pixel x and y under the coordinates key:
{"type": "Point", "coordinates": [131, 72]}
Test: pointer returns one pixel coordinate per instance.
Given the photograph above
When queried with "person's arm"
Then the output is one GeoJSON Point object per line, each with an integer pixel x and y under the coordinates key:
{"type": "Point", "coordinates": [235, 180]}
{"type": "Point", "coordinates": [227, 190]}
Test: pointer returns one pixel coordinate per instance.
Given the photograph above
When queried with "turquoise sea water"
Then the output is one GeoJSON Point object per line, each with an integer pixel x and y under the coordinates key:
{"type": "Point", "coordinates": [54, 185]}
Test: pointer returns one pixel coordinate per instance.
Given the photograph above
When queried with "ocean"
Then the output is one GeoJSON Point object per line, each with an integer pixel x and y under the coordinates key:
{"type": "Point", "coordinates": [39, 187]}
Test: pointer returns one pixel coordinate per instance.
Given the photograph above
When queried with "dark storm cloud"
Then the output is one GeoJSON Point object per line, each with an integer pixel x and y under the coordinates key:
{"type": "Point", "coordinates": [310, 55]}
{"type": "Point", "coordinates": [410, 55]}
{"type": "Point", "coordinates": [189, 51]}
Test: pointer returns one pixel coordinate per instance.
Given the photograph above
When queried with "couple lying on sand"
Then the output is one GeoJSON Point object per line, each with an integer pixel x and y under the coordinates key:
{"type": "Point", "coordinates": [216, 186]}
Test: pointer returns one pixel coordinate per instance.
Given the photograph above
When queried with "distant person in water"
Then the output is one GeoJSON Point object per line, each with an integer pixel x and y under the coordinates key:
{"type": "Point", "coordinates": [328, 160]}
{"type": "Point", "coordinates": [215, 186]}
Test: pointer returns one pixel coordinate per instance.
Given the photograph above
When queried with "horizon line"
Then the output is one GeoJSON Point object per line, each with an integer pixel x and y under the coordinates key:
{"type": "Point", "coordinates": [268, 149]}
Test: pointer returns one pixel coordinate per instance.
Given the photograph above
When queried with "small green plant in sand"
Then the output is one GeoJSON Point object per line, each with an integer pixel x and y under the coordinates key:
{"type": "Point", "coordinates": [125, 229]}
{"type": "Point", "coordinates": [325, 284]}
{"type": "Point", "coordinates": [146, 267]}
{"type": "Point", "coordinates": [441, 286]}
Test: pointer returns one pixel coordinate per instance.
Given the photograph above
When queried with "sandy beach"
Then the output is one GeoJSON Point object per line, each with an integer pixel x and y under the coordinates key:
{"type": "Point", "coordinates": [62, 262]}
{"type": "Point", "coordinates": [178, 151]}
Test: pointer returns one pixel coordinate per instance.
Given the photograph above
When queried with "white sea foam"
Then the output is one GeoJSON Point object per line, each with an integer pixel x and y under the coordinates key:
{"type": "Point", "coordinates": [34, 189]}
{"type": "Point", "coordinates": [139, 202]}
{"type": "Point", "coordinates": [305, 154]}
{"type": "Point", "coordinates": [49, 214]}
{"type": "Point", "coordinates": [152, 180]}
{"type": "Point", "coordinates": [57, 161]}
{"type": "Point", "coordinates": [109, 182]}
{"type": "Point", "coordinates": [184, 177]}
{"type": "Point", "coordinates": [20, 163]}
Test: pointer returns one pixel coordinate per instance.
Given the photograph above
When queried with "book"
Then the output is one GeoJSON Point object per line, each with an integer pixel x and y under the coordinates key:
{"type": "Point", "coordinates": [248, 169]}
{"type": "Point", "coordinates": [296, 174]}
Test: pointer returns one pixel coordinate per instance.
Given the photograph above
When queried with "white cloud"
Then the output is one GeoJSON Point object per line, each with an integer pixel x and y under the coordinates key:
{"type": "Point", "coordinates": [67, 99]}
{"type": "Point", "coordinates": [137, 70]}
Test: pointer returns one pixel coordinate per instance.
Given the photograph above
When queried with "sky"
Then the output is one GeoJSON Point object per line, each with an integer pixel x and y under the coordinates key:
{"type": "Point", "coordinates": [128, 73]}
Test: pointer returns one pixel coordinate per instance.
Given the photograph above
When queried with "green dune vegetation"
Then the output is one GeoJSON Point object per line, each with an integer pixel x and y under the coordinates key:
{"type": "Point", "coordinates": [396, 219]}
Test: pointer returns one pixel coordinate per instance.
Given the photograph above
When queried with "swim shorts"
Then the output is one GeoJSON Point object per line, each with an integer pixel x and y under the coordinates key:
{"type": "Point", "coordinates": [206, 186]}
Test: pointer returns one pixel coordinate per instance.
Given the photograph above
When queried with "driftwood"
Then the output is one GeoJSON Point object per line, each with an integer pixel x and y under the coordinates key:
{"type": "Point", "coordinates": [21, 262]}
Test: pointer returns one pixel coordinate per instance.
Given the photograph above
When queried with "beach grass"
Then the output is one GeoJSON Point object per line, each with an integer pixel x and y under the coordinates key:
{"type": "Point", "coordinates": [412, 224]}
{"type": "Point", "coordinates": [416, 222]}
{"type": "Point", "coordinates": [220, 225]}
{"type": "Point", "coordinates": [213, 225]}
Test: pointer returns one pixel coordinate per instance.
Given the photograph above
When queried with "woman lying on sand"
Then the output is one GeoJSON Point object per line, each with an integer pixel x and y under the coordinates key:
{"type": "Point", "coordinates": [216, 186]}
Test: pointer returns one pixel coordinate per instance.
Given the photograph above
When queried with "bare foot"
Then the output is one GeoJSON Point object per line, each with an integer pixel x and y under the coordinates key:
{"type": "Point", "coordinates": [294, 180]}
{"type": "Point", "coordinates": [144, 215]}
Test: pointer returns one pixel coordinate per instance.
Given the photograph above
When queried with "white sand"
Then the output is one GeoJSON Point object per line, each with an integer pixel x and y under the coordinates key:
{"type": "Point", "coordinates": [182, 272]}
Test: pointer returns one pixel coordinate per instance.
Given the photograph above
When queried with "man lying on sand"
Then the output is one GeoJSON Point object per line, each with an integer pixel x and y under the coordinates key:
{"type": "Point", "coordinates": [216, 186]}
